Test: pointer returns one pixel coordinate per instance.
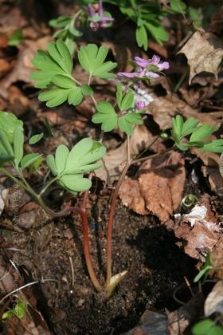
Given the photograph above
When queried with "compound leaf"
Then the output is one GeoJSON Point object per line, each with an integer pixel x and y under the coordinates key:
{"type": "Point", "coordinates": [92, 60]}
{"type": "Point", "coordinates": [56, 61]}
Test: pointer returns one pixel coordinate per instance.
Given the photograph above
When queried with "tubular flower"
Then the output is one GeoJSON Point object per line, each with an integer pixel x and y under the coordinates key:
{"type": "Point", "coordinates": [99, 18]}
{"type": "Point", "coordinates": [141, 104]}
{"type": "Point", "coordinates": [146, 68]}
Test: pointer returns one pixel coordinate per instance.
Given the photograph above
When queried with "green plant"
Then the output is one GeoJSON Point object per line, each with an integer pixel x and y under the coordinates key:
{"type": "Point", "coordinates": [146, 15]}
{"type": "Point", "coordinates": [199, 134]}
{"type": "Point", "coordinates": [69, 167]}
{"type": "Point", "coordinates": [189, 200]}
{"type": "Point", "coordinates": [54, 72]}
{"type": "Point", "coordinates": [207, 327]}
{"type": "Point", "coordinates": [16, 38]}
{"type": "Point", "coordinates": [125, 117]}
{"type": "Point", "coordinates": [205, 269]}
{"type": "Point", "coordinates": [18, 310]}
{"type": "Point", "coordinates": [66, 29]}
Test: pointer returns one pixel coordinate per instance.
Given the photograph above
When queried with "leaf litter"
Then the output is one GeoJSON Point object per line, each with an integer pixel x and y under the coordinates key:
{"type": "Point", "coordinates": [153, 190]}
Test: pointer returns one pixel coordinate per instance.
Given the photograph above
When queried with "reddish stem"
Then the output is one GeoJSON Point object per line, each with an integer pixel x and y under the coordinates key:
{"type": "Point", "coordinates": [86, 244]}
{"type": "Point", "coordinates": [110, 224]}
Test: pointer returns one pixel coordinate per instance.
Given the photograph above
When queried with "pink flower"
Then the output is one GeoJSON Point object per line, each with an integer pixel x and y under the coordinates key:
{"type": "Point", "coordinates": [130, 74]}
{"type": "Point", "coordinates": [146, 68]}
{"type": "Point", "coordinates": [140, 104]}
{"type": "Point", "coordinates": [99, 18]}
{"type": "Point", "coordinates": [144, 63]}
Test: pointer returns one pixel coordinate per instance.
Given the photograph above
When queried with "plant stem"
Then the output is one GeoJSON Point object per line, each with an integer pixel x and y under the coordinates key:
{"type": "Point", "coordinates": [50, 182]}
{"type": "Point", "coordinates": [112, 209]}
{"type": "Point", "coordinates": [86, 244]}
{"type": "Point", "coordinates": [110, 224]}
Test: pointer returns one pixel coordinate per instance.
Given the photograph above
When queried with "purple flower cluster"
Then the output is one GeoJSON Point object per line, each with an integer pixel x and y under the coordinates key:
{"type": "Point", "coordinates": [99, 18]}
{"type": "Point", "coordinates": [146, 68]}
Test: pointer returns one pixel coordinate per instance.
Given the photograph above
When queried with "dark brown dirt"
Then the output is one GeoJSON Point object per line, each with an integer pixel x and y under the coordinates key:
{"type": "Point", "coordinates": [156, 267]}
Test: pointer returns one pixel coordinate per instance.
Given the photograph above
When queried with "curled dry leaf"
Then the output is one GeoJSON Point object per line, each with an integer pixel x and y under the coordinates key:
{"type": "Point", "coordinates": [200, 230]}
{"type": "Point", "coordinates": [204, 52]}
{"type": "Point", "coordinates": [158, 188]}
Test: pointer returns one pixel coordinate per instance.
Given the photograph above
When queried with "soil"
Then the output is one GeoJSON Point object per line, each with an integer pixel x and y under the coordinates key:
{"type": "Point", "coordinates": [156, 267]}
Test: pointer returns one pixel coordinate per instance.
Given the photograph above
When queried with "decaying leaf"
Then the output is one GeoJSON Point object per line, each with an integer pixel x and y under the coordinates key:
{"type": "Point", "coordinates": [199, 229]}
{"type": "Point", "coordinates": [204, 52]}
{"type": "Point", "coordinates": [211, 169]}
{"type": "Point", "coordinates": [216, 25]}
{"type": "Point", "coordinates": [159, 186]}
{"type": "Point", "coordinates": [221, 165]}
{"type": "Point", "coordinates": [116, 159]}
{"type": "Point", "coordinates": [214, 302]}
{"type": "Point", "coordinates": [164, 108]}
{"type": "Point", "coordinates": [217, 259]}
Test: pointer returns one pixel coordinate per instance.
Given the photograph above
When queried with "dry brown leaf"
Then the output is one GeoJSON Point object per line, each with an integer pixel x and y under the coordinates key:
{"type": "Point", "coordinates": [221, 165]}
{"type": "Point", "coordinates": [204, 52]}
{"type": "Point", "coordinates": [5, 67]}
{"type": "Point", "coordinates": [216, 25]}
{"type": "Point", "coordinates": [214, 301]}
{"type": "Point", "coordinates": [164, 108]}
{"type": "Point", "coordinates": [200, 230]}
{"type": "Point", "coordinates": [115, 159]}
{"type": "Point", "coordinates": [217, 259]}
{"type": "Point", "coordinates": [131, 196]}
{"type": "Point", "coordinates": [23, 66]}
{"type": "Point", "coordinates": [211, 169]}
{"type": "Point", "coordinates": [159, 187]}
